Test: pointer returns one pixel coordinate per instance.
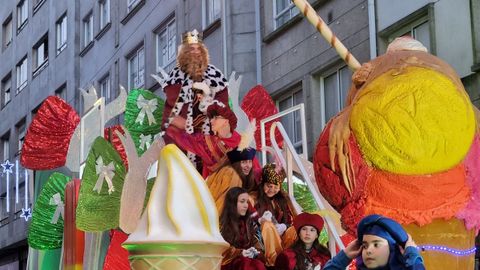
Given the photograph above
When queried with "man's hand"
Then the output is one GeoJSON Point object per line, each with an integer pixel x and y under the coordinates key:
{"type": "Point", "coordinates": [178, 122]}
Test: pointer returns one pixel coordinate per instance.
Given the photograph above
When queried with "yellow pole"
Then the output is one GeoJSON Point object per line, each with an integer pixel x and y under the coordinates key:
{"type": "Point", "coordinates": [323, 28]}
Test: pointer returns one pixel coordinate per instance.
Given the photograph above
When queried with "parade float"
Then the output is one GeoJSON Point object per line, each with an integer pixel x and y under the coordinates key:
{"type": "Point", "coordinates": [406, 147]}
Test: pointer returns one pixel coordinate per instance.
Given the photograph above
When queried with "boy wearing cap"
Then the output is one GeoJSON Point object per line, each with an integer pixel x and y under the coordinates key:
{"type": "Point", "coordinates": [382, 244]}
{"type": "Point", "coordinates": [306, 253]}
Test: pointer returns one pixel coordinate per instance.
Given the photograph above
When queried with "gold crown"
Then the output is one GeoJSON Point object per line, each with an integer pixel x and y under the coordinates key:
{"type": "Point", "coordinates": [192, 37]}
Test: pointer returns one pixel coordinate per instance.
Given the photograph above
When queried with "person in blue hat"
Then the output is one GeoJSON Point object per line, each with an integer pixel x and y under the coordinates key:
{"type": "Point", "coordinates": [238, 173]}
{"type": "Point", "coordinates": [382, 244]}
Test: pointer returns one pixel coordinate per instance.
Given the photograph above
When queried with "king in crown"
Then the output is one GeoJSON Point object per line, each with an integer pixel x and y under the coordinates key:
{"type": "Point", "coordinates": [191, 84]}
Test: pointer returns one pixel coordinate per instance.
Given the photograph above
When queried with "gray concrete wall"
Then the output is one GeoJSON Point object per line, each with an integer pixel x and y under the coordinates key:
{"type": "Point", "coordinates": [60, 70]}
{"type": "Point", "coordinates": [452, 30]}
{"type": "Point", "coordinates": [391, 11]}
{"type": "Point", "coordinates": [454, 35]}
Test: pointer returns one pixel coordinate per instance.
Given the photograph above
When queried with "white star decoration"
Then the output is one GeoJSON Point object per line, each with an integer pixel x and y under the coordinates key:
{"type": "Point", "coordinates": [7, 166]}
{"type": "Point", "coordinates": [26, 213]}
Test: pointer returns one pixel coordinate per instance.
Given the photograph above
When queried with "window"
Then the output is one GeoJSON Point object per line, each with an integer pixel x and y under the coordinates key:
{"type": "Point", "coordinates": [22, 74]}
{"type": "Point", "coordinates": [419, 30]}
{"type": "Point", "coordinates": [7, 32]}
{"type": "Point", "coordinates": [136, 69]}
{"type": "Point", "coordinates": [61, 27]}
{"type": "Point", "coordinates": [22, 14]}
{"type": "Point", "coordinates": [212, 9]}
{"type": "Point", "coordinates": [284, 10]}
{"type": "Point", "coordinates": [132, 4]}
{"type": "Point", "coordinates": [3, 207]}
{"type": "Point", "coordinates": [105, 90]}
{"type": "Point", "coordinates": [20, 135]}
{"type": "Point", "coordinates": [291, 122]}
{"type": "Point", "coordinates": [6, 89]}
{"type": "Point", "coordinates": [87, 30]}
{"type": "Point", "coordinates": [61, 92]}
{"type": "Point", "coordinates": [104, 13]}
{"type": "Point", "coordinates": [37, 4]}
{"type": "Point", "coordinates": [167, 46]}
{"type": "Point", "coordinates": [5, 147]}
{"type": "Point", "coordinates": [335, 91]}
{"type": "Point", "coordinates": [40, 55]}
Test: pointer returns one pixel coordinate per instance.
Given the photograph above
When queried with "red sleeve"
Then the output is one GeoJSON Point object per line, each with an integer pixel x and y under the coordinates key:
{"type": "Point", "coordinates": [171, 93]}
{"type": "Point", "coordinates": [257, 171]}
{"type": "Point", "coordinates": [194, 143]}
{"type": "Point", "coordinates": [286, 260]}
{"type": "Point", "coordinates": [222, 96]}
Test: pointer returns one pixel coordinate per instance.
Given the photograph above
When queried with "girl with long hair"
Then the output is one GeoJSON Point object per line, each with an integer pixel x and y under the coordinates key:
{"type": "Point", "coordinates": [238, 229]}
{"type": "Point", "coordinates": [306, 253]}
{"type": "Point", "coordinates": [239, 173]}
{"type": "Point", "coordinates": [275, 211]}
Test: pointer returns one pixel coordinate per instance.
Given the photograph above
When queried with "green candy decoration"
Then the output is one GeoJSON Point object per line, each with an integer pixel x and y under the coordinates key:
{"type": "Point", "coordinates": [305, 199]}
{"type": "Point", "coordinates": [46, 230]}
{"type": "Point", "coordinates": [99, 205]}
{"type": "Point", "coordinates": [143, 117]}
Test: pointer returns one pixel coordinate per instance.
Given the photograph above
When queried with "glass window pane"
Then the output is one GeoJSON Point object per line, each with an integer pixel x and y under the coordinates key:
{"type": "Point", "coordinates": [331, 96]}
{"type": "Point", "coordinates": [133, 72]}
{"type": "Point", "coordinates": [281, 5]}
{"type": "Point", "coordinates": [422, 34]}
{"type": "Point", "coordinates": [287, 120]}
{"type": "Point", "coordinates": [141, 67]}
{"type": "Point", "coordinates": [162, 49]}
{"type": "Point", "coordinates": [217, 9]}
{"type": "Point", "coordinates": [172, 41]}
{"type": "Point", "coordinates": [345, 81]}
{"type": "Point", "coordinates": [297, 99]}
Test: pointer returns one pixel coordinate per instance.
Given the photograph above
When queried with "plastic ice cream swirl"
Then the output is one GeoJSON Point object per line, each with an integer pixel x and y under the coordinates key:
{"type": "Point", "coordinates": [180, 222]}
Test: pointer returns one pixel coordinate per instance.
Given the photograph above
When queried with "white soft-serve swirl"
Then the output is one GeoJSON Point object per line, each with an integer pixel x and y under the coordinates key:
{"type": "Point", "coordinates": [180, 208]}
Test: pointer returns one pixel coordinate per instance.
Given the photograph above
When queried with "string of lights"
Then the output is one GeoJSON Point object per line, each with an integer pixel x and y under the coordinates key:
{"type": "Point", "coordinates": [445, 249]}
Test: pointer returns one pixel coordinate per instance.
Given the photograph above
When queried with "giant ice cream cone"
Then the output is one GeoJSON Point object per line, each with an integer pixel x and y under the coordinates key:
{"type": "Point", "coordinates": [179, 228]}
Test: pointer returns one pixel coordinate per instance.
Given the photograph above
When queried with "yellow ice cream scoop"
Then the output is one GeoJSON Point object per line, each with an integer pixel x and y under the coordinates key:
{"type": "Point", "coordinates": [413, 121]}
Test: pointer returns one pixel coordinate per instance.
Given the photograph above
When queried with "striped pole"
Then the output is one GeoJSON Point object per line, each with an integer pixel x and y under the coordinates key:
{"type": "Point", "coordinates": [323, 28]}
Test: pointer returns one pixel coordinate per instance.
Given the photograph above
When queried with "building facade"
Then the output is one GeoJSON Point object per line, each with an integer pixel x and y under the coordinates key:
{"type": "Point", "coordinates": [38, 58]}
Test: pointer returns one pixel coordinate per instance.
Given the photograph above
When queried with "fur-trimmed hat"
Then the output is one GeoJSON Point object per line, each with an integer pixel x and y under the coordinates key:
{"type": "Point", "coordinates": [304, 219]}
{"type": "Point", "coordinates": [236, 156]}
{"type": "Point", "coordinates": [224, 111]}
{"type": "Point", "coordinates": [273, 174]}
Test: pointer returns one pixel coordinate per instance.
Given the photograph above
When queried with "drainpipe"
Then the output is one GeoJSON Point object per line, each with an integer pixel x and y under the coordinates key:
{"type": "Point", "coordinates": [372, 29]}
{"type": "Point", "coordinates": [224, 35]}
{"type": "Point", "coordinates": [258, 43]}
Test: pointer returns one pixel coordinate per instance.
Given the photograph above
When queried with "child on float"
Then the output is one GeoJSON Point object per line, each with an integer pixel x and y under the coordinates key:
{"type": "Point", "coordinates": [239, 173]}
{"type": "Point", "coordinates": [306, 253]}
{"type": "Point", "coordinates": [239, 230]}
{"type": "Point", "coordinates": [274, 208]}
{"type": "Point", "coordinates": [212, 149]}
{"type": "Point", "coordinates": [382, 244]}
